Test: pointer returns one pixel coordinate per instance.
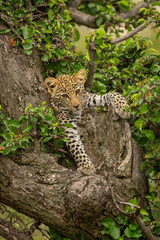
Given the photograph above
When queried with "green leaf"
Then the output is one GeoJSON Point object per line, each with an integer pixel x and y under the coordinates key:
{"type": "Point", "coordinates": [139, 124]}
{"type": "Point", "coordinates": [158, 154]}
{"type": "Point", "coordinates": [52, 3]}
{"type": "Point", "coordinates": [140, 21]}
{"type": "Point", "coordinates": [99, 21]}
{"type": "Point", "coordinates": [155, 68]}
{"type": "Point", "coordinates": [122, 220]}
{"type": "Point", "coordinates": [128, 232]}
{"type": "Point", "coordinates": [57, 154]}
{"type": "Point", "coordinates": [136, 234]}
{"type": "Point", "coordinates": [50, 14]}
{"type": "Point", "coordinates": [101, 32]}
{"type": "Point", "coordinates": [133, 201]}
{"type": "Point", "coordinates": [133, 226]}
{"type": "Point", "coordinates": [45, 58]}
{"type": "Point", "coordinates": [146, 219]}
{"type": "Point", "coordinates": [14, 123]}
{"type": "Point", "coordinates": [58, 53]}
{"type": "Point", "coordinates": [155, 214]}
{"type": "Point", "coordinates": [157, 35]}
{"type": "Point", "coordinates": [13, 148]}
{"type": "Point", "coordinates": [3, 31]}
{"type": "Point", "coordinates": [100, 86]}
{"type": "Point", "coordinates": [76, 35]}
{"type": "Point", "coordinates": [43, 129]}
{"type": "Point", "coordinates": [29, 52]}
{"type": "Point", "coordinates": [59, 143]}
{"type": "Point", "coordinates": [144, 10]}
{"type": "Point", "coordinates": [27, 46]}
{"type": "Point", "coordinates": [68, 125]}
{"type": "Point", "coordinates": [143, 109]}
{"type": "Point", "coordinates": [42, 24]}
{"type": "Point", "coordinates": [34, 119]}
{"type": "Point", "coordinates": [98, 76]}
{"type": "Point", "coordinates": [143, 166]}
{"type": "Point", "coordinates": [150, 135]}
{"type": "Point", "coordinates": [28, 127]}
{"type": "Point", "coordinates": [25, 32]}
{"type": "Point", "coordinates": [108, 222]}
{"type": "Point", "coordinates": [91, 5]}
{"type": "Point", "coordinates": [124, 4]}
{"type": "Point", "coordinates": [114, 60]}
{"type": "Point", "coordinates": [144, 212]}
{"type": "Point", "coordinates": [114, 232]}
{"type": "Point", "coordinates": [104, 231]}
{"type": "Point", "coordinates": [48, 31]}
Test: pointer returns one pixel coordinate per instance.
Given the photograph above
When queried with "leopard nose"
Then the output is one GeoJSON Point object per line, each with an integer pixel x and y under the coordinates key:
{"type": "Point", "coordinates": [77, 106]}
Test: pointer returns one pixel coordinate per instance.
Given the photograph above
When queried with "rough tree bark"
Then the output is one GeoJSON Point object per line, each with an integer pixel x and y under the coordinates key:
{"type": "Point", "coordinates": [32, 182]}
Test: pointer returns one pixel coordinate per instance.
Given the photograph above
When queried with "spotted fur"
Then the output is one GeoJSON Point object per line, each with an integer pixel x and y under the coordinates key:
{"type": "Point", "coordinates": [69, 98]}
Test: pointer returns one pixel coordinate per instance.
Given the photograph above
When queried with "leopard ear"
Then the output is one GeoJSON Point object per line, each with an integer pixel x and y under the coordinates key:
{"type": "Point", "coordinates": [51, 84]}
{"type": "Point", "coordinates": [81, 74]}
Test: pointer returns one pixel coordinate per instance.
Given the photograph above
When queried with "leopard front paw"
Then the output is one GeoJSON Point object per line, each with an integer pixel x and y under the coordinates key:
{"type": "Point", "coordinates": [87, 168]}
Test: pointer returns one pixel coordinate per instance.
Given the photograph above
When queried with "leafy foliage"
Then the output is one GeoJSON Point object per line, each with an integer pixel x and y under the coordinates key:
{"type": "Point", "coordinates": [36, 122]}
{"type": "Point", "coordinates": [44, 25]}
{"type": "Point", "coordinates": [121, 228]}
{"type": "Point", "coordinates": [125, 227]}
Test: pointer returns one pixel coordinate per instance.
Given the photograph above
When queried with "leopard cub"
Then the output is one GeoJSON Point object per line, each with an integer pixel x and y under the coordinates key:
{"type": "Point", "coordinates": [69, 98]}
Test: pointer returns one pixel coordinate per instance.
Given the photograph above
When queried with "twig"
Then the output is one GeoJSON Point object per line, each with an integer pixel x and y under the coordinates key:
{"type": "Point", "coordinates": [39, 16]}
{"type": "Point", "coordinates": [34, 134]}
{"type": "Point", "coordinates": [7, 229]}
{"type": "Point", "coordinates": [91, 64]}
{"type": "Point", "coordinates": [146, 231]}
{"type": "Point", "coordinates": [132, 33]}
{"type": "Point", "coordinates": [9, 24]}
{"type": "Point", "coordinates": [130, 204]}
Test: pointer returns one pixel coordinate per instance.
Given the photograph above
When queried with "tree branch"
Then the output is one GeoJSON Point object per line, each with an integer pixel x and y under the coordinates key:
{"type": "Point", "coordinates": [77, 3]}
{"type": "Point", "coordinates": [9, 232]}
{"type": "Point", "coordinates": [132, 33]}
{"type": "Point", "coordinates": [83, 18]}
{"type": "Point", "coordinates": [91, 64]}
{"type": "Point", "coordinates": [90, 20]}
{"type": "Point", "coordinates": [134, 10]}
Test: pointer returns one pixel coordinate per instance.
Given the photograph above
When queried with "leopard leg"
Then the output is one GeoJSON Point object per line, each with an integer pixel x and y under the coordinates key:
{"type": "Point", "coordinates": [76, 148]}
{"type": "Point", "coordinates": [114, 99]}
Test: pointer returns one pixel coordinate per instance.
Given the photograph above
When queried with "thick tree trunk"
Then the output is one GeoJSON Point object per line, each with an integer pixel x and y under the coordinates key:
{"type": "Point", "coordinates": [34, 183]}
{"type": "Point", "coordinates": [21, 80]}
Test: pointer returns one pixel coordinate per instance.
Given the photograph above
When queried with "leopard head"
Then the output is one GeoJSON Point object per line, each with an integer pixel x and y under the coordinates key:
{"type": "Point", "coordinates": [66, 91]}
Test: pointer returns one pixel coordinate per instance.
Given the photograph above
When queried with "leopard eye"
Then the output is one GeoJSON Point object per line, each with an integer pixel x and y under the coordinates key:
{"type": "Point", "coordinates": [77, 91]}
{"type": "Point", "coordinates": [65, 96]}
